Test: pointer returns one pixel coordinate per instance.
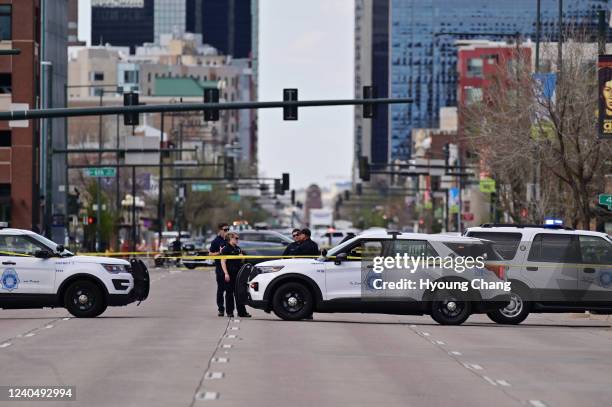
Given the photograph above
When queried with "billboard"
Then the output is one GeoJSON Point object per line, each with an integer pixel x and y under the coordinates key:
{"type": "Point", "coordinates": [604, 72]}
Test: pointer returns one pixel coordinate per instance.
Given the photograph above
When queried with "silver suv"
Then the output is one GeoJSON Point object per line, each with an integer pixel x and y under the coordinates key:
{"type": "Point", "coordinates": [551, 269]}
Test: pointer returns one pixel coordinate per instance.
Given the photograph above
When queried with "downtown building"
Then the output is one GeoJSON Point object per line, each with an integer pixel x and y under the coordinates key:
{"type": "Point", "coordinates": [407, 48]}
{"type": "Point", "coordinates": [32, 180]}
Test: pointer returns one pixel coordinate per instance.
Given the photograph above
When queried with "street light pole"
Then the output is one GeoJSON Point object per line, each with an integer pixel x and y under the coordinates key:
{"type": "Point", "coordinates": [99, 184]}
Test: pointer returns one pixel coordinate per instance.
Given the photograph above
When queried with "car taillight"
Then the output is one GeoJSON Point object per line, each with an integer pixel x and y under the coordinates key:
{"type": "Point", "coordinates": [499, 270]}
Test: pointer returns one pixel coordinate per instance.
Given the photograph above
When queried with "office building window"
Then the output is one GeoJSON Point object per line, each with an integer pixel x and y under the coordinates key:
{"type": "Point", "coordinates": [97, 76]}
{"type": "Point", "coordinates": [472, 94]}
{"type": "Point", "coordinates": [6, 83]}
{"type": "Point", "coordinates": [474, 68]}
{"type": "Point", "coordinates": [5, 23]}
{"type": "Point", "coordinates": [5, 138]}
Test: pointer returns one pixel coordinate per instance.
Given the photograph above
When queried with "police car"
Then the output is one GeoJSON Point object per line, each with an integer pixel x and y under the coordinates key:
{"type": "Point", "coordinates": [36, 272]}
{"type": "Point", "coordinates": [551, 269]}
{"type": "Point", "coordinates": [345, 279]}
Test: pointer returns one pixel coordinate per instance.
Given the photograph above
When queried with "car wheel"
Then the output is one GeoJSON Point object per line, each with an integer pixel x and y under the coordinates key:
{"type": "Point", "coordinates": [84, 299]}
{"type": "Point", "coordinates": [513, 313]}
{"type": "Point", "coordinates": [292, 302]}
{"type": "Point", "coordinates": [450, 307]}
{"type": "Point", "coordinates": [190, 266]}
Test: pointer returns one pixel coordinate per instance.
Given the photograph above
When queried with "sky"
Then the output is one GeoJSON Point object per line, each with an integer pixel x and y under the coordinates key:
{"type": "Point", "coordinates": [306, 45]}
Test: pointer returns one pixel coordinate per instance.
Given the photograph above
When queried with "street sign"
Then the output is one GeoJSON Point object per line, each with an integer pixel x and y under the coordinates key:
{"type": "Point", "coordinates": [101, 172]}
{"type": "Point", "coordinates": [487, 185]}
{"type": "Point", "coordinates": [201, 187]}
{"type": "Point", "coordinates": [606, 200]}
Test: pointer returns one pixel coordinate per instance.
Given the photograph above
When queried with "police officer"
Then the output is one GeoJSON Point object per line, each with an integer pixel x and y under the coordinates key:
{"type": "Point", "coordinates": [307, 246]}
{"type": "Point", "coordinates": [292, 247]}
{"type": "Point", "coordinates": [231, 267]}
{"type": "Point", "coordinates": [215, 250]}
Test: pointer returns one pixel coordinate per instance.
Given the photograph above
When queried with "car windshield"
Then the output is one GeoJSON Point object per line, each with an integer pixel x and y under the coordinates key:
{"type": "Point", "coordinates": [51, 245]}
{"type": "Point", "coordinates": [340, 247]}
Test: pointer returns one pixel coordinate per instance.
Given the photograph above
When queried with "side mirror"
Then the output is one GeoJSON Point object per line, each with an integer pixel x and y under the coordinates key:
{"type": "Point", "coordinates": [323, 252]}
{"type": "Point", "coordinates": [340, 257]}
{"type": "Point", "coordinates": [42, 254]}
{"type": "Point", "coordinates": [60, 248]}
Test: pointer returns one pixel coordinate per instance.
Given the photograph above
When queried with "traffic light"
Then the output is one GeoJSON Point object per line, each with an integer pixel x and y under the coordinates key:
{"type": "Point", "coordinates": [228, 168]}
{"type": "Point", "coordinates": [169, 225]}
{"type": "Point", "coordinates": [290, 113]}
{"type": "Point", "coordinates": [369, 109]}
{"type": "Point", "coordinates": [211, 95]}
{"type": "Point", "coordinates": [285, 183]}
{"type": "Point", "coordinates": [130, 99]}
{"type": "Point", "coordinates": [364, 168]}
{"type": "Point", "coordinates": [91, 220]}
{"type": "Point", "coordinates": [293, 197]}
{"type": "Point", "coordinates": [278, 187]}
{"type": "Point", "coordinates": [359, 188]}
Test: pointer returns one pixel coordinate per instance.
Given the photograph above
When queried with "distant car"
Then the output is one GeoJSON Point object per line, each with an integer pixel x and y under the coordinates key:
{"type": "Point", "coordinates": [331, 239]}
{"type": "Point", "coordinates": [254, 243]}
{"type": "Point", "coordinates": [37, 273]}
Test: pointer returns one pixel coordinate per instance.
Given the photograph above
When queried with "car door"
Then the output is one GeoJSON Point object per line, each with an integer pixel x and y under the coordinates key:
{"type": "Point", "coordinates": [20, 271]}
{"type": "Point", "coordinates": [344, 280]}
{"type": "Point", "coordinates": [552, 266]}
{"type": "Point", "coordinates": [595, 270]}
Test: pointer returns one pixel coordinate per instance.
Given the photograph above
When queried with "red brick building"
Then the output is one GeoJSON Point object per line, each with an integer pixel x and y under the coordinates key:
{"type": "Point", "coordinates": [19, 78]}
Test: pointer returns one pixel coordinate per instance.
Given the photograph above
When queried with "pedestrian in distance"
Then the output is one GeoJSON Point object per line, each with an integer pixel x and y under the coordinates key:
{"type": "Point", "coordinates": [215, 250]}
{"type": "Point", "coordinates": [292, 247]}
{"type": "Point", "coordinates": [307, 246]}
{"type": "Point", "coordinates": [231, 267]}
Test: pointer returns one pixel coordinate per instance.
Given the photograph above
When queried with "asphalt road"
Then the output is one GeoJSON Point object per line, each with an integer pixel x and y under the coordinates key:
{"type": "Point", "coordinates": [173, 350]}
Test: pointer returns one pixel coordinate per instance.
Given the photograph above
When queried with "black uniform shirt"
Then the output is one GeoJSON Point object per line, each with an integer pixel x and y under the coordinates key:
{"type": "Point", "coordinates": [307, 248]}
{"type": "Point", "coordinates": [233, 266]}
{"type": "Point", "coordinates": [215, 247]}
{"type": "Point", "coordinates": [291, 249]}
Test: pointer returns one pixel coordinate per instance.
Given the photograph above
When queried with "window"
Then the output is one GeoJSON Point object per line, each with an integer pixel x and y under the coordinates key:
{"type": "Point", "coordinates": [131, 76]}
{"type": "Point", "coordinates": [413, 248]}
{"type": "Point", "coordinates": [19, 244]}
{"type": "Point", "coordinates": [472, 94]}
{"type": "Point", "coordinates": [5, 138]}
{"type": "Point", "coordinates": [252, 237]}
{"type": "Point", "coordinates": [505, 244]}
{"type": "Point", "coordinates": [366, 249]}
{"type": "Point", "coordinates": [468, 249]}
{"type": "Point", "coordinates": [6, 26]}
{"type": "Point", "coordinates": [97, 76]}
{"type": "Point", "coordinates": [554, 248]}
{"type": "Point", "coordinates": [6, 83]}
{"type": "Point", "coordinates": [595, 250]}
{"type": "Point", "coordinates": [474, 68]}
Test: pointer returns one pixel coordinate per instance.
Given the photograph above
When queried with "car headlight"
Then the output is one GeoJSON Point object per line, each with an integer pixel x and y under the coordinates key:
{"type": "Point", "coordinates": [270, 269]}
{"type": "Point", "coordinates": [115, 268]}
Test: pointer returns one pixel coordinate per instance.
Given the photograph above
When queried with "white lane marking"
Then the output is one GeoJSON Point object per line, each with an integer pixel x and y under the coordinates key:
{"type": "Point", "coordinates": [5, 345]}
{"type": "Point", "coordinates": [439, 343]}
{"type": "Point", "coordinates": [226, 346]}
{"type": "Point", "coordinates": [537, 403]}
{"type": "Point", "coordinates": [220, 360]}
{"type": "Point", "coordinates": [31, 334]}
{"type": "Point", "coordinates": [214, 375]}
{"type": "Point", "coordinates": [207, 395]}
{"type": "Point", "coordinates": [472, 366]}
{"type": "Point", "coordinates": [236, 321]}
{"type": "Point", "coordinates": [412, 326]}
{"type": "Point", "coordinates": [234, 328]}
{"type": "Point", "coordinates": [49, 326]}
{"type": "Point", "coordinates": [503, 383]}
{"type": "Point", "coordinates": [491, 381]}
{"type": "Point", "coordinates": [231, 336]}
{"type": "Point", "coordinates": [175, 271]}
{"type": "Point", "coordinates": [425, 333]}
{"type": "Point", "coordinates": [455, 353]}
{"type": "Point", "coordinates": [65, 319]}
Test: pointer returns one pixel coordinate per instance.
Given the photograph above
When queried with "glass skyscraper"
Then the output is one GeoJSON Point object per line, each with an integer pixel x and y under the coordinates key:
{"type": "Point", "coordinates": [410, 55]}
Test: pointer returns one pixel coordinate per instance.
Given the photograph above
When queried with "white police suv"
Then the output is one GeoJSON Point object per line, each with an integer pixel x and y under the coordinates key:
{"type": "Point", "coordinates": [350, 278]}
{"type": "Point", "coordinates": [551, 269]}
{"type": "Point", "coordinates": [35, 273]}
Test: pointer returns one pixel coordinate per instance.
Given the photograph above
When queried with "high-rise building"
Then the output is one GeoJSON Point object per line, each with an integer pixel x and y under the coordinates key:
{"type": "Point", "coordinates": [406, 48]}
{"type": "Point", "coordinates": [170, 17]}
{"type": "Point", "coordinates": [19, 141]}
{"type": "Point", "coordinates": [124, 23]}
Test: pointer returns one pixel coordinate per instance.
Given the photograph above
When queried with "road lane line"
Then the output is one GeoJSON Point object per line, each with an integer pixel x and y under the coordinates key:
{"type": "Point", "coordinates": [5, 345]}
{"type": "Point", "coordinates": [220, 360]}
{"type": "Point", "coordinates": [455, 353]}
{"type": "Point", "coordinates": [65, 319]}
{"type": "Point", "coordinates": [234, 328]}
{"type": "Point", "coordinates": [231, 336]}
{"type": "Point", "coordinates": [537, 403]}
{"type": "Point", "coordinates": [503, 383]}
{"type": "Point", "coordinates": [29, 335]}
{"type": "Point", "coordinates": [48, 326]}
{"type": "Point", "coordinates": [440, 343]}
{"type": "Point", "coordinates": [207, 395]}
{"type": "Point", "coordinates": [472, 366]}
{"type": "Point", "coordinates": [491, 381]}
{"type": "Point", "coordinates": [425, 333]}
{"type": "Point", "coordinates": [226, 346]}
{"type": "Point", "coordinates": [214, 375]}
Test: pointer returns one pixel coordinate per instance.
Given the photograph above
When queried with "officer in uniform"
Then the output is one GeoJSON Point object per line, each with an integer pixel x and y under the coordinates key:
{"type": "Point", "coordinates": [231, 267]}
{"type": "Point", "coordinates": [215, 250]}
{"type": "Point", "coordinates": [292, 247]}
{"type": "Point", "coordinates": [307, 246]}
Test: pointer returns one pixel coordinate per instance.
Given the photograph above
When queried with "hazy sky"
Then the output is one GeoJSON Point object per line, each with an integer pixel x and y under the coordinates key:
{"type": "Point", "coordinates": [306, 45]}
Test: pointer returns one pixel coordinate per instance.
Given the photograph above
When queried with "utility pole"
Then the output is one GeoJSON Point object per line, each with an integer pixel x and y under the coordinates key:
{"type": "Point", "coordinates": [133, 208]}
{"type": "Point", "coordinates": [160, 196]}
{"type": "Point", "coordinates": [538, 32]}
{"type": "Point", "coordinates": [99, 184]}
{"type": "Point", "coordinates": [117, 186]}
